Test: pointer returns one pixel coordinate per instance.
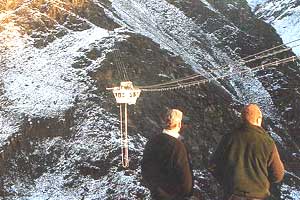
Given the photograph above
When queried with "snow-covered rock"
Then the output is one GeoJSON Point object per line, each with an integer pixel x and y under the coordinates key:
{"type": "Point", "coordinates": [284, 16]}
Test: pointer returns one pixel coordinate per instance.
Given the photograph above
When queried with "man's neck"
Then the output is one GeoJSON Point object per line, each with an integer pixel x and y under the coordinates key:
{"type": "Point", "coordinates": [173, 132]}
{"type": "Point", "coordinates": [255, 124]}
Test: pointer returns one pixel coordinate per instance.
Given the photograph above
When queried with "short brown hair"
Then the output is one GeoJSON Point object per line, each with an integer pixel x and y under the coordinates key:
{"type": "Point", "coordinates": [251, 113]}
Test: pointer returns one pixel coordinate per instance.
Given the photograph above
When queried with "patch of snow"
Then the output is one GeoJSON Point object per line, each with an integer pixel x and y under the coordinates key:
{"type": "Point", "coordinates": [284, 16]}
{"type": "Point", "coordinates": [107, 45]}
{"type": "Point", "coordinates": [288, 28]}
{"type": "Point", "coordinates": [48, 186]}
{"type": "Point", "coordinates": [165, 24]}
{"type": "Point", "coordinates": [96, 138]}
{"type": "Point", "coordinates": [200, 173]}
{"type": "Point", "coordinates": [41, 82]}
{"type": "Point", "coordinates": [254, 3]}
{"type": "Point", "coordinates": [9, 125]}
{"type": "Point", "coordinates": [231, 6]}
{"type": "Point", "coordinates": [208, 5]}
{"type": "Point", "coordinates": [164, 75]}
{"type": "Point", "coordinates": [290, 191]}
{"type": "Point", "coordinates": [288, 109]}
{"type": "Point", "coordinates": [276, 137]}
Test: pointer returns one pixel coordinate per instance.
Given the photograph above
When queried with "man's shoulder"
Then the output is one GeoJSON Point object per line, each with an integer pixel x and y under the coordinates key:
{"type": "Point", "coordinates": [257, 134]}
{"type": "Point", "coordinates": [159, 138]}
{"type": "Point", "coordinates": [267, 135]}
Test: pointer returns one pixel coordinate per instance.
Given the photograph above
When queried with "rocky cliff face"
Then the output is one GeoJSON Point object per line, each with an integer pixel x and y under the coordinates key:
{"type": "Point", "coordinates": [283, 15]}
{"type": "Point", "coordinates": [60, 127]}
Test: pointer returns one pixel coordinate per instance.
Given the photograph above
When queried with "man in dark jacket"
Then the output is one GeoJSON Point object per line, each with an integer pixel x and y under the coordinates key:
{"type": "Point", "coordinates": [166, 167]}
{"type": "Point", "coordinates": [247, 161]}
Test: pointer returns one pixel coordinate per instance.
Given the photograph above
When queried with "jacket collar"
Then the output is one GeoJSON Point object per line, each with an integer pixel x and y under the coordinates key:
{"type": "Point", "coordinates": [258, 129]}
{"type": "Point", "coordinates": [172, 133]}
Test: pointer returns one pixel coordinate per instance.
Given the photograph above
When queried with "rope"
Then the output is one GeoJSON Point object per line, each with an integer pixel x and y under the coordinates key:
{"type": "Point", "coordinates": [271, 48]}
{"type": "Point", "coordinates": [177, 81]}
{"type": "Point", "coordinates": [121, 133]}
{"type": "Point", "coordinates": [124, 135]}
{"type": "Point", "coordinates": [121, 121]}
{"type": "Point", "coordinates": [194, 83]}
{"type": "Point", "coordinates": [121, 64]}
{"type": "Point", "coordinates": [119, 69]}
{"type": "Point", "coordinates": [202, 81]}
{"type": "Point", "coordinates": [293, 175]}
{"type": "Point", "coordinates": [126, 160]}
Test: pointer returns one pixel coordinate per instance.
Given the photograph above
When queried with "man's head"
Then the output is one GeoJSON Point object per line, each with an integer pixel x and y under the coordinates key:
{"type": "Point", "coordinates": [252, 114]}
{"type": "Point", "coordinates": [173, 119]}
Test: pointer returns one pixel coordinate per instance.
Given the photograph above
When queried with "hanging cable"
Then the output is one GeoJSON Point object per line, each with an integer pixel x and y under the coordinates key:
{"type": "Point", "coordinates": [178, 81]}
{"type": "Point", "coordinates": [285, 44]}
{"type": "Point", "coordinates": [193, 83]}
{"type": "Point", "coordinates": [121, 64]}
{"type": "Point", "coordinates": [124, 135]}
{"type": "Point", "coordinates": [292, 174]}
{"type": "Point", "coordinates": [119, 69]}
{"type": "Point", "coordinates": [202, 81]}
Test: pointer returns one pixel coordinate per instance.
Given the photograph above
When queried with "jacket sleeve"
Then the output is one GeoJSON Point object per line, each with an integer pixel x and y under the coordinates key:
{"type": "Point", "coordinates": [184, 169]}
{"type": "Point", "coordinates": [275, 166]}
{"type": "Point", "coordinates": [147, 168]}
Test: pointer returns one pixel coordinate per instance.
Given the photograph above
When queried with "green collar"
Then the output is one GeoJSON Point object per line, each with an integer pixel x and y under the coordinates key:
{"type": "Point", "coordinates": [254, 128]}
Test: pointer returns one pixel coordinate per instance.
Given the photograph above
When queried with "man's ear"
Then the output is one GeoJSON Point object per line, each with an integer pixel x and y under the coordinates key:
{"type": "Point", "coordinates": [179, 124]}
{"type": "Point", "coordinates": [259, 121]}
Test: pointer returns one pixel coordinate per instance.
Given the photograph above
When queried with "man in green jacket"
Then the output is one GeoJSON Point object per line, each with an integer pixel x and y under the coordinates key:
{"type": "Point", "coordinates": [246, 161]}
{"type": "Point", "coordinates": [166, 168]}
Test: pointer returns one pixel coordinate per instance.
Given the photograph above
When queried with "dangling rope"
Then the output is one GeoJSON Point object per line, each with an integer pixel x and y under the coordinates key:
{"type": "Point", "coordinates": [121, 129]}
{"type": "Point", "coordinates": [125, 141]}
{"type": "Point", "coordinates": [124, 135]}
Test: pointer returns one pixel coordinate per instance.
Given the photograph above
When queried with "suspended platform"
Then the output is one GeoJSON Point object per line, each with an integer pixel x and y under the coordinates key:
{"type": "Point", "coordinates": [125, 94]}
